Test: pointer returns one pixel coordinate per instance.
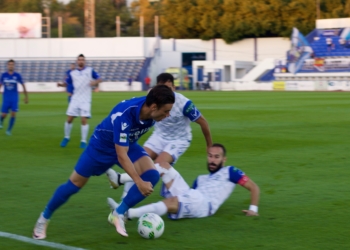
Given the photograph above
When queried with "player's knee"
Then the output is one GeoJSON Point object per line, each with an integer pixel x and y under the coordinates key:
{"type": "Point", "coordinates": [169, 175]}
{"type": "Point", "coordinates": [165, 165]}
{"type": "Point", "coordinates": [172, 204]}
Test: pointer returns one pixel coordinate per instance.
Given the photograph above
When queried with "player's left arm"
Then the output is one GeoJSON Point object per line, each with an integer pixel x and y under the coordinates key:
{"type": "Point", "coordinates": [24, 89]}
{"type": "Point", "coordinates": [191, 112]}
{"type": "Point", "coordinates": [238, 177]}
{"type": "Point", "coordinates": [254, 198]}
{"type": "Point", "coordinates": [97, 78]}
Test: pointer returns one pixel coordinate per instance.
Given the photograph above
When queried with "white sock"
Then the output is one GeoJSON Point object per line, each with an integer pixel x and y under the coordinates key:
{"type": "Point", "coordinates": [124, 178]}
{"type": "Point", "coordinates": [67, 129]}
{"type": "Point", "coordinates": [160, 169]}
{"type": "Point", "coordinates": [157, 208]}
{"type": "Point", "coordinates": [169, 175]}
{"type": "Point", "coordinates": [127, 187]}
{"type": "Point", "coordinates": [84, 132]}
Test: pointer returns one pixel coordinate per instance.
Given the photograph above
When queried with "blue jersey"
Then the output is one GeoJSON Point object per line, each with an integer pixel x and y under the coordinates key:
{"type": "Point", "coordinates": [10, 82]}
{"type": "Point", "coordinates": [122, 126]}
{"type": "Point", "coordinates": [70, 87]}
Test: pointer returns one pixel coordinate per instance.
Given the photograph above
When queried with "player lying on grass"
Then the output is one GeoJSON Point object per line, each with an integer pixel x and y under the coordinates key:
{"type": "Point", "coordinates": [207, 194]}
{"type": "Point", "coordinates": [172, 136]}
{"type": "Point", "coordinates": [115, 142]}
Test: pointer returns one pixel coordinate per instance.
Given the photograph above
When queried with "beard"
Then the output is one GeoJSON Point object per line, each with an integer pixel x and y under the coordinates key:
{"type": "Point", "coordinates": [218, 167]}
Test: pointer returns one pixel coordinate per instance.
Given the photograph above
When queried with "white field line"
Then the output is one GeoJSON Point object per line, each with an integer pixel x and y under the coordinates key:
{"type": "Point", "coordinates": [38, 242]}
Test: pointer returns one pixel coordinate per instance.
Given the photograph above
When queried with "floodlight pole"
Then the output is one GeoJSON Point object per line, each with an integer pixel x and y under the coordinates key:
{"type": "Point", "coordinates": [117, 22]}
{"type": "Point", "coordinates": [59, 26]}
{"type": "Point", "coordinates": [156, 26]}
{"type": "Point", "coordinates": [141, 26]}
{"type": "Point", "coordinates": [318, 11]}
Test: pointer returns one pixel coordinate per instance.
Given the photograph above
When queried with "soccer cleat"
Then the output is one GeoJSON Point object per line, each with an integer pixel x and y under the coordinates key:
{"type": "Point", "coordinates": [64, 142]}
{"type": "Point", "coordinates": [39, 231]}
{"type": "Point", "coordinates": [114, 178]}
{"type": "Point", "coordinates": [82, 144]}
{"type": "Point", "coordinates": [1, 125]}
{"type": "Point", "coordinates": [113, 206]}
{"type": "Point", "coordinates": [8, 132]}
{"type": "Point", "coordinates": [118, 221]}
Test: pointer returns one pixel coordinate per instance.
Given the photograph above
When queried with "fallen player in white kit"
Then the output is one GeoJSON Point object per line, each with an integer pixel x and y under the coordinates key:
{"type": "Point", "coordinates": [205, 197]}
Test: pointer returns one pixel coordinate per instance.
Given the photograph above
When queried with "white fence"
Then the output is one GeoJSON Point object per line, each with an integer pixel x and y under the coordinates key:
{"type": "Point", "coordinates": [103, 87]}
{"type": "Point", "coordinates": [281, 86]}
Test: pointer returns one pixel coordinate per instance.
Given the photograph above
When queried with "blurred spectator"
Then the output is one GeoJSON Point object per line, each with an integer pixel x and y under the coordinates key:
{"type": "Point", "coordinates": [342, 42]}
{"type": "Point", "coordinates": [147, 82]}
{"type": "Point", "coordinates": [329, 42]}
{"type": "Point", "coordinates": [130, 82]}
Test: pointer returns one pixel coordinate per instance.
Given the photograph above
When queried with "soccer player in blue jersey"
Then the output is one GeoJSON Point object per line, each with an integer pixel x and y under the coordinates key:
{"type": "Point", "coordinates": [115, 142]}
{"type": "Point", "coordinates": [82, 80]}
{"type": "Point", "coordinates": [10, 80]}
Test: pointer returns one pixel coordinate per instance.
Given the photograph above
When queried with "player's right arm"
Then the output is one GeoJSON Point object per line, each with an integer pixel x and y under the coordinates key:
{"type": "Point", "coordinates": [67, 81]}
{"type": "Point", "coordinates": [124, 160]}
{"type": "Point", "coordinates": [121, 130]}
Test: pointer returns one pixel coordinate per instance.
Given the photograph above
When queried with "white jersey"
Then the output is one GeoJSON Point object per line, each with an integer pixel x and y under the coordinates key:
{"type": "Point", "coordinates": [217, 187]}
{"type": "Point", "coordinates": [81, 79]}
{"type": "Point", "coordinates": [177, 125]}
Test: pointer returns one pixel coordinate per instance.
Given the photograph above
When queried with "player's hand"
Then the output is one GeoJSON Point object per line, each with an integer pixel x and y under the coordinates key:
{"type": "Point", "coordinates": [250, 213]}
{"type": "Point", "coordinates": [25, 100]}
{"type": "Point", "coordinates": [145, 188]}
{"type": "Point", "coordinates": [59, 84]}
{"type": "Point", "coordinates": [93, 83]}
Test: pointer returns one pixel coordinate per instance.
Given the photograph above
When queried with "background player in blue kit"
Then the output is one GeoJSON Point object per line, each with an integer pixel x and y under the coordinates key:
{"type": "Point", "coordinates": [70, 87]}
{"type": "Point", "coordinates": [10, 80]}
{"type": "Point", "coordinates": [115, 142]}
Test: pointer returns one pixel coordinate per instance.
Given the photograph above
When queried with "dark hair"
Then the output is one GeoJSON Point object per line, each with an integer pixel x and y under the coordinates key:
{"type": "Point", "coordinates": [160, 95]}
{"type": "Point", "coordinates": [11, 60]}
{"type": "Point", "coordinates": [81, 55]}
{"type": "Point", "coordinates": [164, 77]}
{"type": "Point", "coordinates": [218, 145]}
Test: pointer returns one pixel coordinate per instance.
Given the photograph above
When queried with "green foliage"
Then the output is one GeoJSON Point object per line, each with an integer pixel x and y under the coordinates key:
{"type": "Point", "coordinates": [206, 19]}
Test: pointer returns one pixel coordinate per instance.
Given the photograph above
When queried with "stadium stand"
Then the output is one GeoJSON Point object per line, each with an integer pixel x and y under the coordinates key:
{"type": "Point", "coordinates": [116, 70]}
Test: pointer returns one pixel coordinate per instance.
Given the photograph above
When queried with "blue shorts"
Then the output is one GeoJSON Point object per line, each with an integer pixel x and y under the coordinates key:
{"type": "Point", "coordinates": [96, 162]}
{"type": "Point", "coordinates": [9, 104]}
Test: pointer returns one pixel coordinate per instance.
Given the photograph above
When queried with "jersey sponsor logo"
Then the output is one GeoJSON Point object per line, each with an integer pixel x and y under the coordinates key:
{"type": "Point", "coordinates": [124, 126]}
{"type": "Point", "coordinates": [122, 137]}
{"type": "Point", "coordinates": [195, 113]}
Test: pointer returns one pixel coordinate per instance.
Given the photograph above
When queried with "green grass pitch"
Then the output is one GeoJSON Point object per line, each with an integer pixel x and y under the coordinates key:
{"type": "Point", "coordinates": [294, 145]}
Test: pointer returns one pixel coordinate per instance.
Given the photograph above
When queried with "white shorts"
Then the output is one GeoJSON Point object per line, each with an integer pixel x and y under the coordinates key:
{"type": "Point", "coordinates": [174, 147]}
{"type": "Point", "coordinates": [82, 109]}
{"type": "Point", "coordinates": [192, 203]}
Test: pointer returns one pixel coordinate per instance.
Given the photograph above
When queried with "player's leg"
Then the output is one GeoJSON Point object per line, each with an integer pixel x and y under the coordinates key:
{"type": "Point", "coordinates": [172, 151]}
{"type": "Point", "coordinates": [60, 196]}
{"type": "Point", "coordinates": [153, 146]}
{"type": "Point", "coordinates": [72, 111]}
{"type": "Point", "coordinates": [85, 113]}
{"type": "Point", "coordinates": [84, 132]}
{"type": "Point", "coordinates": [4, 111]}
{"type": "Point", "coordinates": [3, 116]}
{"type": "Point", "coordinates": [68, 125]}
{"type": "Point", "coordinates": [11, 122]}
{"type": "Point", "coordinates": [145, 168]}
{"type": "Point", "coordinates": [86, 166]}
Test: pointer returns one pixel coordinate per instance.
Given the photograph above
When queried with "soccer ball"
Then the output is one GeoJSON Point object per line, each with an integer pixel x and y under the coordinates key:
{"type": "Point", "coordinates": [150, 226]}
